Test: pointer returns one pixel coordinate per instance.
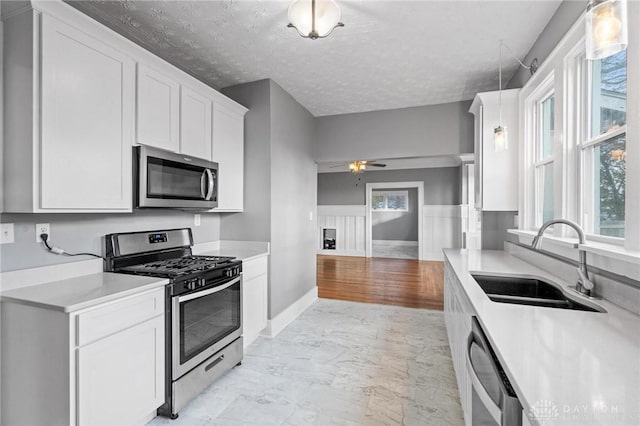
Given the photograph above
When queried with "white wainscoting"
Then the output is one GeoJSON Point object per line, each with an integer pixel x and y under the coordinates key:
{"type": "Point", "coordinates": [442, 228]}
{"type": "Point", "coordinates": [348, 221]}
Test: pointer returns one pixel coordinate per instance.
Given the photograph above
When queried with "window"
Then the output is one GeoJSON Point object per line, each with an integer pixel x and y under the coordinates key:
{"type": "Point", "coordinates": [543, 163]}
{"type": "Point", "coordinates": [603, 146]}
{"type": "Point", "coordinates": [391, 201]}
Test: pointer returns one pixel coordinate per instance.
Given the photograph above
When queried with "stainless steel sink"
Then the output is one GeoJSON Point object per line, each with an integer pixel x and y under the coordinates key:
{"type": "Point", "coordinates": [528, 291]}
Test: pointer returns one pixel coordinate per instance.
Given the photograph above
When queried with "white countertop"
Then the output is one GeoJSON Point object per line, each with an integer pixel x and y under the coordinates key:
{"type": "Point", "coordinates": [585, 364]}
{"type": "Point", "coordinates": [242, 250]}
{"type": "Point", "coordinates": [77, 293]}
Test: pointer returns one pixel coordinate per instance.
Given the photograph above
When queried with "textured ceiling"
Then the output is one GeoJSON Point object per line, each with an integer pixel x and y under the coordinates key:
{"type": "Point", "coordinates": [390, 54]}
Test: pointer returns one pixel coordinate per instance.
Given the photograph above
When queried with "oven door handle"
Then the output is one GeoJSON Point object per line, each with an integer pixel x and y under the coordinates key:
{"type": "Point", "coordinates": [198, 294]}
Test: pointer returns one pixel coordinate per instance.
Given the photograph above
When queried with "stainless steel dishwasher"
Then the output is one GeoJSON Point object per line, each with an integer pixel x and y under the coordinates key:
{"type": "Point", "coordinates": [493, 400]}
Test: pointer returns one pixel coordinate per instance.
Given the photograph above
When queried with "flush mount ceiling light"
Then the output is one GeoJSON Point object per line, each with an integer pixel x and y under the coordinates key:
{"type": "Point", "coordinates": [500, 136]}
{"type": "Point", "coordinates": [606, 28]}
{"type": "Point", "coordinates": [314, 18]}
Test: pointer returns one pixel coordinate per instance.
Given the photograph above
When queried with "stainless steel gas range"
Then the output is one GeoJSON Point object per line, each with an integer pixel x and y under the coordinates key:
{"type": "Point", "coordinates": [203, 307]}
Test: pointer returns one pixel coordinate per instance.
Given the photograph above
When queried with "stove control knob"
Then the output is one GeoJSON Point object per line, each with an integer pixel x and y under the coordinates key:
{"type": "Point", "coordinates": [228, 273]}
{"type": "Point", "coordinates": [192, 285]}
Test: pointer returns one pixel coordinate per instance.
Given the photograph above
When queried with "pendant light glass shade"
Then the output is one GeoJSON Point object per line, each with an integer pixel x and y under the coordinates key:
{"type": "Point", "coordinates": [314, 18]}
{"type": "Point", "coordinates": [500, 139]}
{"type": "Point", "coordinates": [606, 28]}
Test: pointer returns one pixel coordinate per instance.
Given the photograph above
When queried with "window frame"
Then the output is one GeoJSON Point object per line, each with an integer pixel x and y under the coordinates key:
{"type": "Point", "coordinates": [585, 149]}
{"type": "Point", "coordinates": [386, 194]}
{"type": "Point", "coordinates": [570, 112]}
{"type": "Point", "coordinates": [539, 161]}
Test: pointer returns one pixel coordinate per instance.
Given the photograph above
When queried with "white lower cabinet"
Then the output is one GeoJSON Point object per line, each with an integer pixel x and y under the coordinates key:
{"type": "Point", "coordinates": [120, 378]}
{"type": "Point", "coordinates": [458, 312]}
{"type": "Point", "coordinates": [254, 298]}
{"type": "Point", "coordinates": [103, 365]}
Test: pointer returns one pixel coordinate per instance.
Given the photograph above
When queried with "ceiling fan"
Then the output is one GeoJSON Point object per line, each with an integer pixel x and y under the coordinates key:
{"type": "Point", "coordinates": [359, 166]}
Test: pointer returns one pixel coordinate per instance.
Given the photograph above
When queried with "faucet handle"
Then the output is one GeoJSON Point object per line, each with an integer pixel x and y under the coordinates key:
{"type": "Point", "coordinates": [584, 280]}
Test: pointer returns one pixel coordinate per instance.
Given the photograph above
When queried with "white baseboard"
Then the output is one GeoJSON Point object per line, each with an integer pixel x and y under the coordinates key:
{"type": "Point", "coordinates": [396, 243]}
{"type": "Point", "coordinates": [286, 317]}
{"type": "Point", "coordinates": [357, 253]}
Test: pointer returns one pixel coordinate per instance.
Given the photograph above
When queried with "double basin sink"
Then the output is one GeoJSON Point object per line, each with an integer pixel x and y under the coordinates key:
{"type": "Point", "coordinates": [529, 291]}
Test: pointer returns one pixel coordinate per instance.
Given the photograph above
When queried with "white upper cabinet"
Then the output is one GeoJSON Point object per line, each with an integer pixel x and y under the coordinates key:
{"type": "Point", "coordinates": [77, 97]}
{"type": "Point", "coordinates": [69, 117]}
{"type": "Point", "coordinates": [496, 173]}
{"type": "Point", "coordinates": [228, 152]}
{"type": "Point", "coordinates": [195, 124]}
{"type": "Point", "coordinates": [158, 109]}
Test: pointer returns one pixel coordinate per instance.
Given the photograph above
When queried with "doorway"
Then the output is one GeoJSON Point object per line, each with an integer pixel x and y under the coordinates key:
{"type": "Point", "coordinates": [390, 215]}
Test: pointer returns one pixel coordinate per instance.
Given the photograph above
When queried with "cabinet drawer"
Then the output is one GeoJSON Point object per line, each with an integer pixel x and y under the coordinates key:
{"type": "Point", "coordinates": [254, 268]}
{"type": "Point", "coordinates": [97, 323]}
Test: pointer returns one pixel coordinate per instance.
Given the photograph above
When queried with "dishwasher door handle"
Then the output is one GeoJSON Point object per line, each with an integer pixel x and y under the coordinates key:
{"type": "Point", "coordinates": [487, 401]}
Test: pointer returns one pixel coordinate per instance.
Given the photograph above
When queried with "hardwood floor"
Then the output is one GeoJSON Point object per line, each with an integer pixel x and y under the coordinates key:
{"type": "Point", "coordinates": [400, 282]}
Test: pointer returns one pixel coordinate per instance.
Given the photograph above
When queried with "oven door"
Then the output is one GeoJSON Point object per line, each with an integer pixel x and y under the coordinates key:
{"type": "Point", "coordinates": [166, 179]}
{"type": "Point", "coordinates": [204, 322]}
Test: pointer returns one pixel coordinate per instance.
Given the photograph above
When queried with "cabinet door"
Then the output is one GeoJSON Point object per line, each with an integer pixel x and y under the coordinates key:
{"type": "Point", "coordinates": [228, 152]}
{"type": "Point", "coordinates": [158, 109]}
{"type": "Point", "coordinates": [195, 124]}
{"type": "Point", "coordinates": [254, 308]}
{"type": "Point", "coordinates": [121, 377]}
{"type": "Point", "coordinates": [88, 96]}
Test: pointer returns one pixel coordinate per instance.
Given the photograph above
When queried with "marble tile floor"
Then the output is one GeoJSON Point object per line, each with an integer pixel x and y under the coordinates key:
{"type": "Point", "coordinates": [394, 252]}
{"type": "Point", "coordinates": [339, 363]}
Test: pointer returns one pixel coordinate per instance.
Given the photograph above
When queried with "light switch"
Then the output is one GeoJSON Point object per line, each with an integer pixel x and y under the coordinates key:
{"type": "Point", "coordinates": [311, 215]}
{"type": "Point", "coordinates": [6, 233]}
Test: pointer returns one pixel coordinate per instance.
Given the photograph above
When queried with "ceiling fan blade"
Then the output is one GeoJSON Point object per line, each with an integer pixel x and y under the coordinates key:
{"type": "Point", "coordinates": [376, 165]}
{"type": "Point", "coordinates": [341, 165]}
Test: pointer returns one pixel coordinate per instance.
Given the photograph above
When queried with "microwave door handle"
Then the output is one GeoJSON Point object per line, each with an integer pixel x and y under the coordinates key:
{"type": "Point", "coordinates": [481, 392]}
{"type": "Point", "coordinates": [211, 184]}
{"type": "Point", "coordinates": [202, 184]}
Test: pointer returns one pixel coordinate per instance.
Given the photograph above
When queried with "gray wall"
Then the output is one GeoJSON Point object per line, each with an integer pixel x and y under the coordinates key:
{"type": "Point", "coordinates": [293, 200]}
{"type": "Point", "coordinates": [563, 19]}
{"type": "Point", "coordinates": [84, 233]}
{"type": "Point", "coordinates": [408, 132]}
{"type": "Point", "coordinates": [441, 185]}
{"type": "Point", "coordinates": [397, 226]}
{"type": "Point", "coordinates": [494, 229]}
{"type": "Point", "coordinates": [254, 223]}
{"type": "Point", "coordinates": [280, 189]}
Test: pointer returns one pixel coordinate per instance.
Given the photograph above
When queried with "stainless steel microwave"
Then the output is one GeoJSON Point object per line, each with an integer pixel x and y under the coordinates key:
{"type": "Point", "coordinates": [170, 180]}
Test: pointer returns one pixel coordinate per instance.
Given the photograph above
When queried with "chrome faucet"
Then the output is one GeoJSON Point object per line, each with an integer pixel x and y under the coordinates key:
{"type": "Point", "coordinates": [584, 285]}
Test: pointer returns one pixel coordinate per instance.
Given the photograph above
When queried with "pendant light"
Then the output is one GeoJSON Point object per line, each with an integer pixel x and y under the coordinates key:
{"type": "Point", "coordinates": [606, 28]}
{"type": "Point", "coordinates": [314, 18]}
{"type": "Point", "coordinates": [500, 135]}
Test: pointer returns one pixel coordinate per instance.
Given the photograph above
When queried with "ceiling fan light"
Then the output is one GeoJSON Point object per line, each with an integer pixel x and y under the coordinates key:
{"type": "Point", "coordinates": [314, 18]}
{"type": "Point", "coordinates": [606, 28]}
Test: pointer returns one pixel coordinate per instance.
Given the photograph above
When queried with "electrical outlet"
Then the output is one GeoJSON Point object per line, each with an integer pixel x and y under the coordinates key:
{"type": "Point", "coordinates": [6, 233]}
{"type": "Point", "coordinates": [42, 228]}
{"type": "Point", "coordinates": [196, 219]}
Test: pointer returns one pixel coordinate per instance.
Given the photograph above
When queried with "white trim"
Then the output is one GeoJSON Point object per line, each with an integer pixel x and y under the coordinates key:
{"type": "Point", "coordinates": [391, 185]}
{"type": "Point", "coordinates": [45, 274]}
{"type": "Point", "coordinates": [396, 243]}
{"type": "Point", "coordinates": [345, 210]}
{"type": "Point", "coordinates": [286, 317]}
{"type": "Point", "coordinates": [603, 251]}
